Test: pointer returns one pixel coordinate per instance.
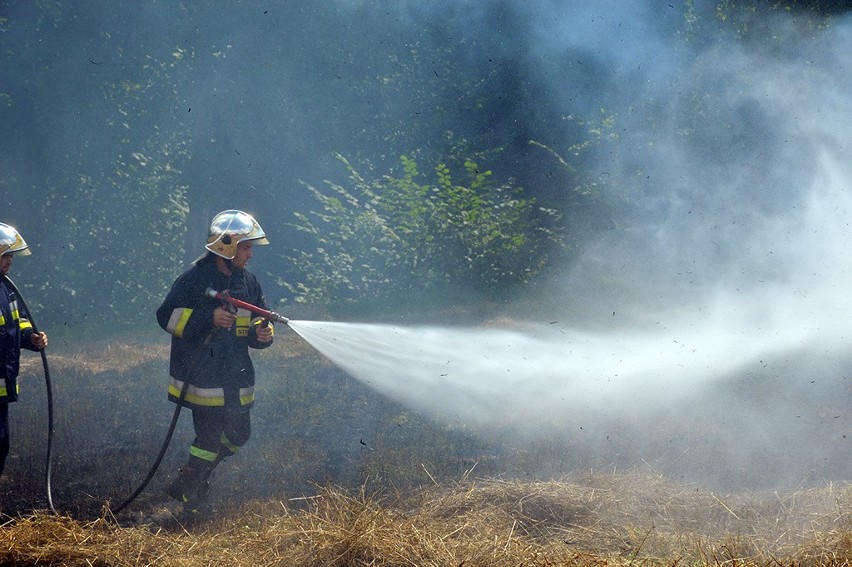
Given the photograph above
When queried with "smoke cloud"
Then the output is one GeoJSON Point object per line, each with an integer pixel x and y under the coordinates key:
{"type": "Point", "coordinates": [706, 335]}
{"type": "Point", "coordinates": [710, 337]}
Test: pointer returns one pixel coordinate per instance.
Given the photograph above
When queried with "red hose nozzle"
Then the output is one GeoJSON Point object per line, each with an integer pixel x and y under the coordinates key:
{"type": "Point", "coordinates": [265, 313]}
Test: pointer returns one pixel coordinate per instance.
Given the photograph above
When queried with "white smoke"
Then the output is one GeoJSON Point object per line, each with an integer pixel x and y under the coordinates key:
{"type": "Point", "coordinates": [731, 276]}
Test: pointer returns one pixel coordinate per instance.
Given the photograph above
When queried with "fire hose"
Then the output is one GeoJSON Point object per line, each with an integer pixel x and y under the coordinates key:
{"type": "Point", "coordinates": [49, 388]}
{"type": "Point", "coordinates": [225, 298]}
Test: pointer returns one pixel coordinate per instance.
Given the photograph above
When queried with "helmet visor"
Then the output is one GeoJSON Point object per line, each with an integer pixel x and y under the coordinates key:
{"type": "Point", "coordinates": [11, 242]}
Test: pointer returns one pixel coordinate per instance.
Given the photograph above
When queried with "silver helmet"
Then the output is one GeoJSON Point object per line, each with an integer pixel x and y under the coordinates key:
{"type": "Point", "coordinates": [11, 242]}
{"type": "Point", "coordinates": [228, 229]}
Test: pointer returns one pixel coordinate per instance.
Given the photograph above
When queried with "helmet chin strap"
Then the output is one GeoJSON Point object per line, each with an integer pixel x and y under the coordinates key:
{"type": "Point", "coordinates": [226, 265]}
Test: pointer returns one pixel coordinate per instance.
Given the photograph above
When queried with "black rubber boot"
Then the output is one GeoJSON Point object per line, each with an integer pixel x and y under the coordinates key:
{"type": "Point", "coordinates": [196, 510]}
{"type": "Point", "coordinates": [190, 484]}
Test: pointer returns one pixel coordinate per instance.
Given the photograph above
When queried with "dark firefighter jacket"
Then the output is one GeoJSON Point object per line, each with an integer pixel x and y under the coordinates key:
{"type": "Point", "coordinates": [214, 361]}
{"type": "Point", "coordinates": [15, 331]}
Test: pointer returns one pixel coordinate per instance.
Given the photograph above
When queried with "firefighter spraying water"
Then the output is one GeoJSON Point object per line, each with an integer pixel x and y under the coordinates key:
{"type": "Point", "coordinates": [210, 367]}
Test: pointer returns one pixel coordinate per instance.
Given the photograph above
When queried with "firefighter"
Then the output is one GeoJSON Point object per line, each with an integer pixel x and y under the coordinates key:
{"type": "Point", "coordinates": [16, 332]}
{"type": "Point", "coordinates": [210, 364]}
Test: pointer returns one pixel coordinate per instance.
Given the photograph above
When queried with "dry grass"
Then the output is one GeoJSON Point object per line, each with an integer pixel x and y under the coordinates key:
{"type": "Point", "coordinates": [593, 519]}
{"type": "Point", "coordinates": [126, 355]}
{"type": "Point", "coordinates": [626, 519]}
{"type": "Point", "coordinates": [99, 357]}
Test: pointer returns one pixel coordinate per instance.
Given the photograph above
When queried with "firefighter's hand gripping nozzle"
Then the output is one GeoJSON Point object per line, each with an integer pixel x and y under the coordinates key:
{"type": "Point", "coordinates": [265, 313]}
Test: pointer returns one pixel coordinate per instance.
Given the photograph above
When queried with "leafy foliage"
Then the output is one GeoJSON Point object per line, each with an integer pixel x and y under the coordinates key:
{"type": "Point", "coordinates": [751, 20]}
{"type": "Point", "coordinates": [122, 218]}
{"type": "Point", "coordinates": [403, 237]}
{"type": "Point", "coordinates": [105, 207]}
{"type": "Point", "coordinates": [120, 149]}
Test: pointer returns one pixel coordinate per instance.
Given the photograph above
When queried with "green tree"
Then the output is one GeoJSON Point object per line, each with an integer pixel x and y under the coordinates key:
{"type": "Point", "coordinates": [751, 20]}
{"type": "Point", "coordinates": [401, 238]}
{"type": "Point", "coordinates": [94, 180]}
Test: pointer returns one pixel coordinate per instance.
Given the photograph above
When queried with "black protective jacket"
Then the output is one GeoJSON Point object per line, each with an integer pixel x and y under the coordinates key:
{"type": "Point", "coordinates": [214, 361]}
{"type": "Point", "coordinates": [15, 332]}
